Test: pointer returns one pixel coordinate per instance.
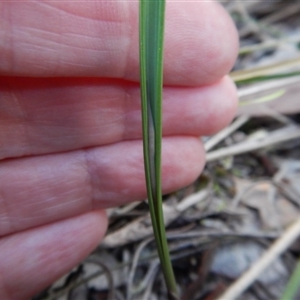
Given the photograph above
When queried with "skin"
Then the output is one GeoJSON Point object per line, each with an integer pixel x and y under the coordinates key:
{"type": "Point", "coordinates": [70, 139]}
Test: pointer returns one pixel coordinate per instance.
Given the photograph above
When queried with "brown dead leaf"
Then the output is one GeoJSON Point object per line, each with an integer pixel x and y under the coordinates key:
{"type": "Point", "coordinates": [275, 211]}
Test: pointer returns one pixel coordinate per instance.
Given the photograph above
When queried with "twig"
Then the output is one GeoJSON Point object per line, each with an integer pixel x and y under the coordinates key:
{"type": "Point", "coordinates": [265, 86]}
{"type": "Point", "coordinates": [151, 279]}
{"type": "Point", "coordinates": [141, 227]}
{"type": "Point", "coordinates": [214, 140]}
{"type": "Point", "coordinates": [94, 259]}
{"type": "Point", "coordinates": [278, 247]}
{"type": "Point", "coordinates": [104, 270]}
{"type": "Point", "coordinates": [134, 266]}
{"type": "Point", "coordinates": [278, 136]}
{"type": "Point", "coordinates": [280, 67]}
{"type": "Point", "coordinates": [216, 234]}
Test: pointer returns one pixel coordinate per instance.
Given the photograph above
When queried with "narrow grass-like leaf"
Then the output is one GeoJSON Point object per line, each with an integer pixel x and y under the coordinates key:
{"type": "Point", "coordinates": [264, 99]}
{"type": "Point", "coordinates": [267, 77]}
{"type": "Point", "coordinates": [152, 13]}
{"type": "Point", "coordinates": [283, 69]}
{"type": "Point", "coordinates": [293, 284]}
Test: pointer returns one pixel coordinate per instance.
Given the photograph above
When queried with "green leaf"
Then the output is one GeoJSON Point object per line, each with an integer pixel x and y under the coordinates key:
{"type": "Point", "coordinates": [292, 286]}
{"type": "Point", "coordinates": [152, 14]}
{"type": "Point", "coordinates": [264, 99]}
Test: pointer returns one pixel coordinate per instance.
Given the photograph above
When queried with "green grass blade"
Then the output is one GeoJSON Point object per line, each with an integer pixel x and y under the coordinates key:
{"type": "Point", "coordinates": [152, 13]}
{"type": "Point", "coordinates": [292, 286]}
{"type": "Point", "coordinates": [267, 77]}
{"type": "Point", "coordinates": [264, 99]}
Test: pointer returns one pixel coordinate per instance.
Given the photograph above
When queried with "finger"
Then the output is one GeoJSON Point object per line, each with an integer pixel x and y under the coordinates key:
{"type": "Point", "coordinates": [48, 116]}
{"type": "Point", "coordinates": [100, 39]}
{"type": "Point", "coordinates": [31, 260]}
{"type": "Point", "coordinates": [44, 189]}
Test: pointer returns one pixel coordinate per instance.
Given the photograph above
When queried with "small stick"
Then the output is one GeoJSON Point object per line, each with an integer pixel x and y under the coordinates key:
{"type": "Point", "coordinates": [285, 134]}
{"type": "Point", "coordinates": [220, 136]}
{"type": "Point", "coordinates": [277, 248]}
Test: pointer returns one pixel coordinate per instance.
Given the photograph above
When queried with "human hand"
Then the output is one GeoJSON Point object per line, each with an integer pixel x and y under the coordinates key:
{"type": "Point", "coordinates": [70, 140]}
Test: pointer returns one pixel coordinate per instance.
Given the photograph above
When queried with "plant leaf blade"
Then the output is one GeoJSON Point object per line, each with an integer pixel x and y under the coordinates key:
{"type": "Point", "coordinates": [151, 78]}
